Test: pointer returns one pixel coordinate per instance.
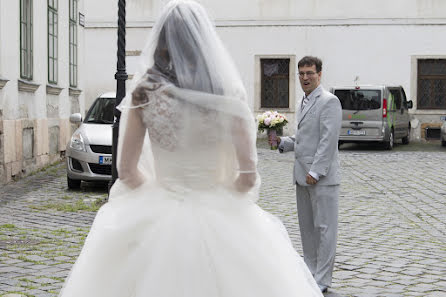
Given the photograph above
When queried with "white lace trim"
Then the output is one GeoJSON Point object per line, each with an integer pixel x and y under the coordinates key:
{"type": "Point", "coordinates": [162, 118]}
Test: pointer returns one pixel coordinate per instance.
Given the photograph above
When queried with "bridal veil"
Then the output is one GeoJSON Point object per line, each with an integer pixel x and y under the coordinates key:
{"type": "Point", "coordinates": [186, 62]}
{"type": "Point", "coordinates": [191, 227]}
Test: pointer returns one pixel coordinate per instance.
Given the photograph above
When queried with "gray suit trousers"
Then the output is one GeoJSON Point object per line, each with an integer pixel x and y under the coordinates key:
{"type": "Point", "coordinates": [317, 208]}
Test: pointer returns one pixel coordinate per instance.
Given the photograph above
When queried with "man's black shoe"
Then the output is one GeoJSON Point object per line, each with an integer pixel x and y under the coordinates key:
{"type": "Point", "coordinates": [323, 288]}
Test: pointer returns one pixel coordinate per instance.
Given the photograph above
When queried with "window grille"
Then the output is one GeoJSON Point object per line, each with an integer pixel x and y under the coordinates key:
{"type": "Point", "coordinates": [26, 39]}
{"type": "Point", "coordinates": [73, 43]}
{"type": "Point", "coordinates": [431, 84]}
{"type": "Point", "coordinates": [53, 29]}
{"type": "Point", "coordinates": [275, 83]}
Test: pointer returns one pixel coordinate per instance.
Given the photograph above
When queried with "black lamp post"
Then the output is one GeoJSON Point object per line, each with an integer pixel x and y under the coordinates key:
{"type": "Point", "coordinates": [120, 76]}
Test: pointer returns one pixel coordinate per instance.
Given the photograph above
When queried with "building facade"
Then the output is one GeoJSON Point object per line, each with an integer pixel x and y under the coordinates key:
{"type": "Point", "coordinates": [397, 42]}
{"type": "Point", "coordinates": [57, 56]}
{"type": "Point", "coordinates": [41, 81]}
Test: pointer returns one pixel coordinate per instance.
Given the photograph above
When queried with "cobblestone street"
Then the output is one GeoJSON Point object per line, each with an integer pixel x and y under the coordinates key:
{"type": "Point", "coordinates": [392, 224]}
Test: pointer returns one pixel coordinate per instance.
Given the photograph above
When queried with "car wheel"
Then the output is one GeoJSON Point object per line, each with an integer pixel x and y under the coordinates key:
{"type": "Point", "coordinates": [73, 183]}
{"type": "Point", "coordinates": [443, 142]}
{"type": "Point", "coordinates": [388, 145]}
{"type": "Point", "coordinates": [406, 139]}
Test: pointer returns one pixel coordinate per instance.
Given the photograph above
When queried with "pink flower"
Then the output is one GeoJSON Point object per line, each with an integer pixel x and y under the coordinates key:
{"type": "Point", "coordinates": [267, 121]}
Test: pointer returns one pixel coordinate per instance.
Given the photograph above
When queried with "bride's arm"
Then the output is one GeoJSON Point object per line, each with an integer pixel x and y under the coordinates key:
{"type": "Point", "coordinates": [131, 149]}
{"type": "Point", "coordinates": [244, 144]}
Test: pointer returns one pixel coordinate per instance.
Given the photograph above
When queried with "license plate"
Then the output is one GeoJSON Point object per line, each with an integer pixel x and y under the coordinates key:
{"type": "Point", "coordinates": [103, 160]}
{"type": "Point", "coordinates": [356, 132]}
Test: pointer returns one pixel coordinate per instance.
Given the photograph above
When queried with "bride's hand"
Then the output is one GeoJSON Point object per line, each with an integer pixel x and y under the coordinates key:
{"type": "Point", "coordinates": [245, 181]}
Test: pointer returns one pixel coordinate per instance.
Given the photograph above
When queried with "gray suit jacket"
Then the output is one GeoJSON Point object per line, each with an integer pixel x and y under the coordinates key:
{"type": "Point", "coordinates": [315, 143]}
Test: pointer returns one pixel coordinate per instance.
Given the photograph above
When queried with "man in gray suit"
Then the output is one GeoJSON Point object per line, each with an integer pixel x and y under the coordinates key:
{"type": "Point", "coordinates": [316, 170]}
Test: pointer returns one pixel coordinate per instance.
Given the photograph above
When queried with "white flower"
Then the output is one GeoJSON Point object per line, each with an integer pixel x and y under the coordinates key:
{"type": "Point", "coordinates": [270, 120]}
{"type": "Point", "coordinates": [267, 121]}
{"type": "Point", "coordinates": [274, 122]}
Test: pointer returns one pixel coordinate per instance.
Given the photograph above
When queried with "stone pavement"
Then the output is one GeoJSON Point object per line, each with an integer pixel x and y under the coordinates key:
{"type": "Point", "coordinates": [392, 225]}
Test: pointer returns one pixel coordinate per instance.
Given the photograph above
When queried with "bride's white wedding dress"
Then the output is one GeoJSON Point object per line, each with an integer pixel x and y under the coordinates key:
{"type": "Point", "coordinates": [186, 233]}
{"type": "Point", "coordinates": [181, 220]}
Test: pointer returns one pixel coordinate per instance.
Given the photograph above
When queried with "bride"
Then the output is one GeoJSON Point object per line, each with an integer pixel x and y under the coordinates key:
{"type": "Point", "coordinates": [181, 219]}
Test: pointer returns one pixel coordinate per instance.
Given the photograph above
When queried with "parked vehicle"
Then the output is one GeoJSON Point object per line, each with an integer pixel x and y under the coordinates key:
{"type": "Point", "coordinates": [443, 134]}
{"type": "Point", "coordinates": [374, 114]}
{"type": "Point", "coordinates": [89, 151]}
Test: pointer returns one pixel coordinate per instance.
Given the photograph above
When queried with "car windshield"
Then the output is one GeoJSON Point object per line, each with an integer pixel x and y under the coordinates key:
{"type": "Point", "coordinates": [101, 112]}
{"type": "Point", "coordinates": [359, 99]}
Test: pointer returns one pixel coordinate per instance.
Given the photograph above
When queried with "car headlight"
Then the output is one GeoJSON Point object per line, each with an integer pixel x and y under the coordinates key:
{"type": "Point", "coordinates": [77, 142]}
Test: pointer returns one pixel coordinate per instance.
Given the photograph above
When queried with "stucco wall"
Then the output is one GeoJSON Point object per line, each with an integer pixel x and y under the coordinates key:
{"type": "Point", "coordinates": [140, 11]}
{"type": "Point", "coordinates": [34, 127]}
{"type": "Point", "coordinates": [374, 41]}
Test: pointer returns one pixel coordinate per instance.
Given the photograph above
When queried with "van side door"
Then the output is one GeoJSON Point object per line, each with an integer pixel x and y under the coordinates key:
{"type": "Point", "coordinates": [398, 113]}
{"type": "Point", "coordinates": [405, 116]}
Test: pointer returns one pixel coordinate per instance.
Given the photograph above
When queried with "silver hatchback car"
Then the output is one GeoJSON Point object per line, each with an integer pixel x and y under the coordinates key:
{"type": "Point", "coordinates": [88, 154]}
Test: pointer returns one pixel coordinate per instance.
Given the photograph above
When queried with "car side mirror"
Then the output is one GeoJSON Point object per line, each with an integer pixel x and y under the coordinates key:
{"type": "Point", "coordinates": [75, 118]}
{"type": "Point", "coordinates": [409, 104]}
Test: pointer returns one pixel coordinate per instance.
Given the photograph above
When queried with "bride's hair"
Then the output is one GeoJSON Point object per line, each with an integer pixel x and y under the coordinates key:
{"type": "Point", "coordinates": [179, 57]}
{"type": "Point", "coordinates": [181, 53]}
{"type": "Point", "coordinates": [161, 58]}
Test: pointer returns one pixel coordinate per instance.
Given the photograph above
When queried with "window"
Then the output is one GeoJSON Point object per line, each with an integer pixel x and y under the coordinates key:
{"type": "Point", "coordinates": [359, 99]}
{"type": "Point", "coordinates": [396, 99]}
{"type": "Point", "coordinates": [101, 111]}
{"type": "Point", "coordinates": [26, 39]}
{"type": "Point", "coordinates": [73, 43]}
{"type": "Point", "coordinates": [52, 41]}
{"type": "Point", "coordinates": [275, 83]}
{"type": "Point", "coordinates": [431, 84]}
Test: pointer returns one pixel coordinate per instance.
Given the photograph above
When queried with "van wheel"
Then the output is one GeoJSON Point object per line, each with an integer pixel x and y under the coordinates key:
{"type": "Point", "coordinates": [406, 139]}
{"type": "Point", "coordinates": [73, 183]}
{"type": "Point", "coordinates": [388, 145]}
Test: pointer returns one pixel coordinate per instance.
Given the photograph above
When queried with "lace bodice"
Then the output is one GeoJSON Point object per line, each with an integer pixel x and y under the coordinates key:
{"type": "Point", "coordinates": [184, 141]}
{"type": "Point", "coordinates": [163, 119]}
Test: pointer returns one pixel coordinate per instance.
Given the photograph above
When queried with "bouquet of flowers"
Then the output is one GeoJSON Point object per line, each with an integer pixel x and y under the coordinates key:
{"type": "Point", "coordinates": [271, 120]}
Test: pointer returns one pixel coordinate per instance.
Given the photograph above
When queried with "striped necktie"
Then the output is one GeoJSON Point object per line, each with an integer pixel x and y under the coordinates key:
{"type": "Point", "coordinates": [304, 102]}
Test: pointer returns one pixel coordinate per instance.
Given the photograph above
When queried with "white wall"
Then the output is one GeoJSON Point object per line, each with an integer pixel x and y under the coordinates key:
{"type": "Point", "coordinates": [13, 106]}
{"type": "Point", "coordinates": [376, 54]}
{"type": "Point", "coordinates": [353, 39]}
{"type": "Point", "coordinates": [46, 114]}
{"type": "Point", "coordinates": [144, 11]}
{"type": "Point", "coordinates": [324, 9]}
{"type": "Point", "coordinates": [10, 56]}
{"type": "Point", "coordinates": [373, 40]}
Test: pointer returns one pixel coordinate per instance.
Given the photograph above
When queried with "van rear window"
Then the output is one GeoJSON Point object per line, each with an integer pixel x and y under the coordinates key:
{"type": "Point", "coordinates": [359, 99]}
